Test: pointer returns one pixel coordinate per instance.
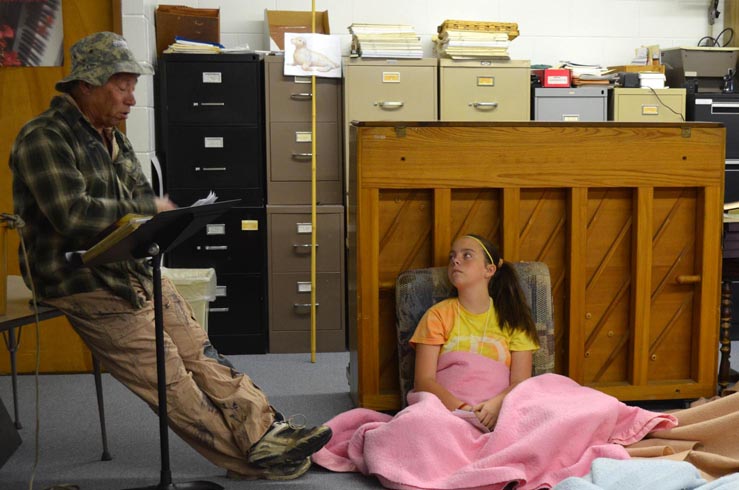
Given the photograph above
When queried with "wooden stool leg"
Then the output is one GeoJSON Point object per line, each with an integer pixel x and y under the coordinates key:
{"type": "Point", "coordinates": [101, 408]}
{"type": "Point", "coordinates": [724, 373]}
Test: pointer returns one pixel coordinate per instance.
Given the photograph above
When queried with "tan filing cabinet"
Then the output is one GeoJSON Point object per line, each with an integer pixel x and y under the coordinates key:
{"type": "Point", "coordinates": [289, 240]}
{"type": "Point", "coordinates": [378, 89]}
{"type": "Point", "coordinates": [389, 89]}
{"type": "Point", "coordinates": [289, 137]}
{"type": "Point", "coordinates": [484, 90]}
{"type": "Point", "coordinates": [648, 105]}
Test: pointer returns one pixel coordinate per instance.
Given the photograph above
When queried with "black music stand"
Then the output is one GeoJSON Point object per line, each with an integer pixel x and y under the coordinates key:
{"type": "Point", "coordinates": [160, 234]}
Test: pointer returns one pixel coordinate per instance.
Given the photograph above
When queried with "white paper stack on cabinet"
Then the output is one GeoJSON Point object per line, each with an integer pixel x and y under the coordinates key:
{"type": "Point", "coordinates": [385, 41]}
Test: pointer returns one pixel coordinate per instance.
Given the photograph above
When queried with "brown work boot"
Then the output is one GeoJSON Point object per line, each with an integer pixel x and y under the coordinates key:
{"type": "Point", "coordinates": [287, 471]}
{"type": "Point", "coordinates": [286, 443]}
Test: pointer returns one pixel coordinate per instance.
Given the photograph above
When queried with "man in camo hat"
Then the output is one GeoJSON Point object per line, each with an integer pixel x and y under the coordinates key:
{"type": "Point", "coordinates": [98, 57]}
{"type": "Point", "coordinates": [75, 173]}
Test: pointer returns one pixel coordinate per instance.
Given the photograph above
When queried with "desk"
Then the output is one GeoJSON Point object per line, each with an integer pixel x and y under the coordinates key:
{"type": "Point", "coordinates": [19, 313]}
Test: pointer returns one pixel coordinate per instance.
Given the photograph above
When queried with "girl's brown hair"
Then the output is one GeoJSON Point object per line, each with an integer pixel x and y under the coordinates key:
{"type": "Point", "coordinates": [510, 302]}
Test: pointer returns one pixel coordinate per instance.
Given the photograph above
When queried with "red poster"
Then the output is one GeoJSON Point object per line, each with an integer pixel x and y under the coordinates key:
{"type": "Point", "coordinates": [31, 33]}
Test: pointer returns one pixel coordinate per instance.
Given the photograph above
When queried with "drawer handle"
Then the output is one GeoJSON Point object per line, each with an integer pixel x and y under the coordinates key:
{"type": "Point", "coordinates": [389, 105]}
{"type": "Point", "coordinates": [304, 305]}
{"type": "Point", "coordinates": [688, 279]}
{"type": "Point", "coordinates": [211, 169]}
{"type": "Point", "coordinates": [218, 310]}
{"type": "Point", "coordinates": [484, 105]}
{"type": "Point", "coordinates": [216, 247]}
{"type": "Point", "coordinates": [301, 96]}
{"type": "Point", "coordinates": [725, 108]}
{"type": "Point", "coordinates": [303, 245]}
{"type": "Point", "coordinates": [302, 156]}
{"type": "Point", "coordinates": [209, 104]}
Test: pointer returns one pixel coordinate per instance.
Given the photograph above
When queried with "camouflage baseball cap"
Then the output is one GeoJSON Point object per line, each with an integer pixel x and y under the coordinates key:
{"type": "Point", "coordinates": [99, 56]}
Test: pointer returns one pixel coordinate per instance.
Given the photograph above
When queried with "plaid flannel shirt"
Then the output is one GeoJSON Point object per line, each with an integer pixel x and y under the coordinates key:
{"type": "Point", "coordinates": [68, 188]}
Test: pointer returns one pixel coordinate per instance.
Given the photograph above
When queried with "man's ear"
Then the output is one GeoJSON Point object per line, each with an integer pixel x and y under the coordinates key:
{"type": "Point", "coordinates": [84, 87]}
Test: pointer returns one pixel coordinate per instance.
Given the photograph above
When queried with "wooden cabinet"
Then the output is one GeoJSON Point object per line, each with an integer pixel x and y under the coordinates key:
{"type": "Point", "coordinates": [627, 217]}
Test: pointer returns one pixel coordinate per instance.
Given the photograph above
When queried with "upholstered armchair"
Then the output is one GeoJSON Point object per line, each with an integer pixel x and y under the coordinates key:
{"type": "Point", "coordinates": [417, 290]}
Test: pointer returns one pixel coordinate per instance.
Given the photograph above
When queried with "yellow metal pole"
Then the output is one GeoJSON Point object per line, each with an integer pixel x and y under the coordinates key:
{"type": "Point", "coordinates": [313, 204]}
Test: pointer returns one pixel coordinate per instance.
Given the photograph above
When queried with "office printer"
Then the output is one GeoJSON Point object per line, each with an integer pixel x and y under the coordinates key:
{"type": "Point", "coordinates": [698, 68]}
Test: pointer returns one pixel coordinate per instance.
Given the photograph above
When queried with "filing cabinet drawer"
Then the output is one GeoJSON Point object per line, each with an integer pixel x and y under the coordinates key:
{"type": "Point", "coordinates": [214, 156]}
{"type": "Point", "coordinates": [648, 105]}
{"type": "Point", "coordinates": [390, 90]}
{"type": "Point", "coordinates": [484, 90]}
{"type": "Point", "coordinates": [234, 242]}
{"type": "Point", "coordinates": [216, 90]}
{"type": "Point", "coordinates": [289, 98]}
{"type": "Point", "coordinates": [237, 319]}
{"type": "Point", "coordinates": [290, 151]}
{"type": "Point", "coordinates": [723, 108]}
{"type": "Point", "coordinates": [290, 238]}
{"type": "Point", "coordinates": [290, 303]}
{"type": "Point", "coordinates": [731, 185]}
{"type": "Point", "coordinates": [585, 104]}
{"type": "Point", "coordinates": [289, 167]}
{"type": "Point", "coordinates": [298, 192]}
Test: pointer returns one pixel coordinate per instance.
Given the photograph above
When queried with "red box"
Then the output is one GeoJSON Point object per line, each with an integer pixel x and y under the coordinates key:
{"type": "Point", "coordinates": [556, 77]}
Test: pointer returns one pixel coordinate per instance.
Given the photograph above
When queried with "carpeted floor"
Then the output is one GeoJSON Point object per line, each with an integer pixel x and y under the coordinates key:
{"type": "Point", "coordinates": [69, 434]}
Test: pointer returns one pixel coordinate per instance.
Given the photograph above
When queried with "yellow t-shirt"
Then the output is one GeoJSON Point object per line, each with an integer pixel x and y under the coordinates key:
{"type": "Point", "coordinates": [447, 323]}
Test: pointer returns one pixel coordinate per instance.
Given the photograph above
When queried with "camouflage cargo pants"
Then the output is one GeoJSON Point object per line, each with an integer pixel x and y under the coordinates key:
{"type": "Point", "coordinates": [219, 412]}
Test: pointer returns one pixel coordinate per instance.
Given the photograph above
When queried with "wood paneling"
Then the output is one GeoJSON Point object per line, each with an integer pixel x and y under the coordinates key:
{"type": "Point", "coordinates": [731, 19]}
{"type": "Point", "coordinates": [621, 213]}
{"type": "Point", "coordinates": [26, 92]}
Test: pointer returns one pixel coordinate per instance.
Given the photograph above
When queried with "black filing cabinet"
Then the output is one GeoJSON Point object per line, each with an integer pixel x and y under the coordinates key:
{"type": "Point", "coordinates": [211, 137]}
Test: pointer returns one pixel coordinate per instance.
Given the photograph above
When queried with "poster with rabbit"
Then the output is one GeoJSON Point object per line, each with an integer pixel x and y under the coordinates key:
{"type": "Point", "coordinates": [312, 54]}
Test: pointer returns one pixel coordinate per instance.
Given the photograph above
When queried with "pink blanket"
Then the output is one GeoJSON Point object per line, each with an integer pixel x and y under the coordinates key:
{"type": "Point", "coordinates": [549, 428]}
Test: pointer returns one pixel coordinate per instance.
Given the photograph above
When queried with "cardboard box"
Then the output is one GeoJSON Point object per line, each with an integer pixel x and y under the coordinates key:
{"type": "Point", "coordinates": [278, 22]}
{"type": "Point", "coordinates": [191, 23]}
{"type": "Point", "coordinates": [556, 77]}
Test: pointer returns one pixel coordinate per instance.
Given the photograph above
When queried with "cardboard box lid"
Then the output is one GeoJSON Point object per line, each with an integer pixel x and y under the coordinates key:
{"type": "Point", "coordinates": [278, 22]}
{"type": "Point", "coordinates": [191, 23]}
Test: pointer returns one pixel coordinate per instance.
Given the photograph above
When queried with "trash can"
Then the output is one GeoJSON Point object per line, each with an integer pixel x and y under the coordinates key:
{"type": "Point", "coordinates": [197, 286]}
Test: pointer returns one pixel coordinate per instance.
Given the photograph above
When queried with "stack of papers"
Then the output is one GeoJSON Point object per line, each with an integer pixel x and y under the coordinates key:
{"type": "Point", "coordinates": [589, 74]}
{"type": "Point", "coordinates": [385, 41]}
{"type": "Point", "coordinates": [469, 45]}
{"type": "Point", "coordinates": [182, 45]}
{"type": "Point", "coordinates": [474, 39]}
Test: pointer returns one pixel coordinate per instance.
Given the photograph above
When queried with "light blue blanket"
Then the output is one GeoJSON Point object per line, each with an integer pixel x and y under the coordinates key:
{"type": "Point", "coordinates": [645, 474]}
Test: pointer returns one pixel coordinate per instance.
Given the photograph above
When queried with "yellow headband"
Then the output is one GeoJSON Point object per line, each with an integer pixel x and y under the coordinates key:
{"type": "Point", "coordinates": [484, 248]}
